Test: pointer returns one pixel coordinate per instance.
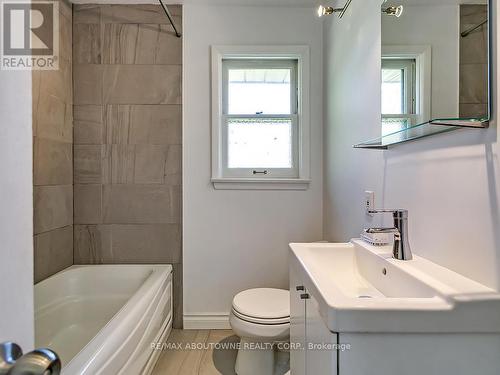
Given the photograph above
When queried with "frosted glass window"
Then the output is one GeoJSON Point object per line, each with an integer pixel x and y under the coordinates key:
{"type": "Point", "coordinates": [254, 143]}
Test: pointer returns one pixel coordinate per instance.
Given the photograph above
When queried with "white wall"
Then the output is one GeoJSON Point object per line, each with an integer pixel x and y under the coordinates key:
{"type": "Point", "coordinates": [440, 33]}
{"type": "Point", "coordinates": [16, 210]}
{"type": "Point", "coordinates": [449, 183]}
{"type": "Point", "coordinates": [235, 240]}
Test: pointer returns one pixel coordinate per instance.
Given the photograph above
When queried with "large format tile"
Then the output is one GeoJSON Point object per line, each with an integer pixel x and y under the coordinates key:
{"type": "Point", "coordinates": [138, 13]}
{"type": "Point", "coordinates": [173, 167]}
{"type": "Point", "coordinates": [140, 204]}
{"type": "Point", "coordinates": [53, 119]}
{"type": "Point", "coordinates": [150, 161]}
{"type": "Point", "coordinates": [144, 124]}
{"type": "Point", "coordinates": [88, 124]}
{"type": "Point", "coordinates": [91, 243]}
{"type": "Point", "coordinates": [87, 164]}
{"type": "Point", "coordinates": [53, 207]}
{"type": "Point", "coordinates": [142, 84]}
{"type": "Point", "coordinates": [118, 164]}
{"type": "Point", "coordinates": [53, 252]}
{"type": "Point", "coordinates": [87, 204]}
{"type": "Point", "coordinates": [473, 83]}
{"type": "Point", "coordinates": [52, 162]}
{"type": "Point", "coordinates": [87, 43]}
{"type": "Point", "coordinates": [65, 31]}
{"type": "Point", "coordinates": [86, 13]}
{"type": "Point", "coordinates": [146, 243]}
{"type": "Point", "coordinates": [178, 295]}
{"type": "Point", "coordinates": [128, 243]}
{"type": "Point", "coordinates": [141, 44]}
{"type": "Point", "coordinates": [88, 84]}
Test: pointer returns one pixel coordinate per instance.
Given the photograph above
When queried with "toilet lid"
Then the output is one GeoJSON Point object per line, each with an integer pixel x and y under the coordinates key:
{"type": "Point", "coordinates": [263, 303]}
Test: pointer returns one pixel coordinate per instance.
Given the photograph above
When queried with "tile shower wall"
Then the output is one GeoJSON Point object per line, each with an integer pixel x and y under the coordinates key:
{"type": "Point", "coordinates": [52, 159]}
{"type": "Point", "coordinates": [473, 62]}
{"type": "Point", "coordinates": [127, 137]}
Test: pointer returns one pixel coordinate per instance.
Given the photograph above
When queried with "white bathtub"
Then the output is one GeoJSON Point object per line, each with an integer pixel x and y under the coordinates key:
{"type": "Point", "coordinates": [102, 319]}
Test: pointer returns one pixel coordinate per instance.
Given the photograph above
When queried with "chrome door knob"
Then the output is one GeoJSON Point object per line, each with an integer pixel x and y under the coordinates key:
{"type": "Point", "coordinates": [37, 362]}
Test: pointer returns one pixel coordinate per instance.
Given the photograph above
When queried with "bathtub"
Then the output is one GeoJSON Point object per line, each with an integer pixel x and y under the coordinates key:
{"type": "Point", "coordinates": [102, 319]}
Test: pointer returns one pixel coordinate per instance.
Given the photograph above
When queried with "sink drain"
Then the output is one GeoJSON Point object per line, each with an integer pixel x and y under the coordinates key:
{"type": "Point", "coordinates": [365, 297]}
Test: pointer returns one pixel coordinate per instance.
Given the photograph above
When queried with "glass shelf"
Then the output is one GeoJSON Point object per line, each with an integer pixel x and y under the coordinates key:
{"type": "Point", "coordinates": [426, 129]}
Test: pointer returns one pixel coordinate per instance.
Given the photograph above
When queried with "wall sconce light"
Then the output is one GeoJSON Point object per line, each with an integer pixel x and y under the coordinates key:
{"type": "Point", "coordinates": [326, 10]}
{"type": "Point", "coordinates": [394, 11]}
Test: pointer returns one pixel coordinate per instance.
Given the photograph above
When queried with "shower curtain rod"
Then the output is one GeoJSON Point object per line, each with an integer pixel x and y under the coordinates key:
{"type": "Point", "coordinates": [169, 16]}
{"type": "Point", "coordinates": [474, 28]}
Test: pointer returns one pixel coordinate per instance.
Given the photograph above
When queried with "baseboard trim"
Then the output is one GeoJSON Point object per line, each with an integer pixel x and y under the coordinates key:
{"type": "Point", "coordinates": [206, 322]}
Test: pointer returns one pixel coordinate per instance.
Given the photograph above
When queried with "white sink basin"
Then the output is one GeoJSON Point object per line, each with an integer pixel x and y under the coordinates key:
{"type": "Point", "coordinates": [361, 288]}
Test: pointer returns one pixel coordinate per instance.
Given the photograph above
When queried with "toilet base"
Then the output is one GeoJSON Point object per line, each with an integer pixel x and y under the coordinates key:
{"type": "Point", "coordinates": [255, 358]}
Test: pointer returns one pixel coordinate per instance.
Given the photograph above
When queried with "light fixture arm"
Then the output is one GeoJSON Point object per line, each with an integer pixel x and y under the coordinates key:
{"type": "Point", "coordinates": [344, 9]}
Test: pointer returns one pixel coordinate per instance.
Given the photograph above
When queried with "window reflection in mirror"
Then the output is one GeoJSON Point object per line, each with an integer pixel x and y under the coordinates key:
{"type": "Point", "coordinates": [435, 62]}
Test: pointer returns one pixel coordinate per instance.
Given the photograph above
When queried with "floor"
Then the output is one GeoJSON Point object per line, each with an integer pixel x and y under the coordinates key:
{"type": "Point", "coordinates": [204, 352]}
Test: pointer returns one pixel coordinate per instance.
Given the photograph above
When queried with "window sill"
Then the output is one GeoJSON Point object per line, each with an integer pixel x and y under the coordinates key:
{"type": "Point", "coordinates": [260, 184]}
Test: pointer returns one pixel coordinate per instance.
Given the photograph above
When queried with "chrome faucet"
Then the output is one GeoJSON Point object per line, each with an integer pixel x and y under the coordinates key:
{"type": "Point", "coordinates": [401, 247]}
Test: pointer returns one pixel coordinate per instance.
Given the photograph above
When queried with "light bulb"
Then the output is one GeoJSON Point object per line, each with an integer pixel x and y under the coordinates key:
{"type": "Point", "coordinates": [325, 11]}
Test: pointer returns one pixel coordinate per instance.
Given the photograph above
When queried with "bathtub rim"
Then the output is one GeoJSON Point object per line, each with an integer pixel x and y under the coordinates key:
{"type": "Point", "coordinates": [146, 290]}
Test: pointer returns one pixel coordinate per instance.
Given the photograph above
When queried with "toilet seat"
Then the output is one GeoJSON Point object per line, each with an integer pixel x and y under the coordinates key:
{"type": "Point", "coordinates": [263, 306]}
{"type": "Point", "coordinates": [252, 319]}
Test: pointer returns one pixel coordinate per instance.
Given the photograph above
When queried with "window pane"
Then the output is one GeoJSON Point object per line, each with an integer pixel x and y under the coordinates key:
{"type": "Point", "coordinates": [393, 125]}
{"type": "Point", "coordinates": [260, 143]}
{"type": "Point", "coordinates": [393, 91]}
{"type": "Point", "coordinates": [252, 91]}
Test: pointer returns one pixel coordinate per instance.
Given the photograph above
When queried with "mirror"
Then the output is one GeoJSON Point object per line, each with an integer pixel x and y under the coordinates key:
{"type": "Point", "coordinates": [435, 63]}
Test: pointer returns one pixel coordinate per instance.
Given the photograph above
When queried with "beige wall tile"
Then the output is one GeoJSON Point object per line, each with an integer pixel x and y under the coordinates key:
{"type": "Point", "coordinates": [144, 124]}
{"type": "Point", "coordinates": [473, 83]}
{"type": "Point", "coordinates": [140, 204]}
{"type": "Point", "coordinates": [139, 84]}
{"type": "Point", "coordinates": [119, 164]}
{"type": "Point", "coordinates": [53, 252]}
{"type": "Point", "coordinates": [52, 162]}
{"type": "Point", "coordinates": [474, 110]}
{"type": "Point", "coordinates": [86, 13]}
{"type": "Point", "coordinates": [128, 243]}
{"type": "Point", "coordinates": [146, 243]}
{"type": "Point", "coordinates": [53, 207]}
{"type": "Point", "coordinates": [87, 204]}
{"type": "Point", "coordinates": [173, 167]}
{"type": "Point", "coordinates": [87, 164]}
{"type": "Point", "coordinates": [66, 9]}
{"type": "Point", "coordinates": [141, 44]}
{"type": "Point", "coordinates": [88, 84]}
{"type": "Point", "coordinates": [150, 161]}
{"type": "Point", "coordinates": [65, 32]}
{"type": "Point", "coordinates": [52, 119]}
{"type": "Point", "coordinates": [177, 291]}
{"type": "Point", "coordinates": [91, 242]}
{"type": "Point", "coordinates": [140, 13]}
{"type": "Point", "coordinates": [88, 124]}
{"type": "Point", "coordinates": [87, 43]}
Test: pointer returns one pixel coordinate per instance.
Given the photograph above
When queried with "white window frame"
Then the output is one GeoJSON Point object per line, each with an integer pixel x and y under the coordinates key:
{"type": "Point", "coordinates": [423, 81]}
{"type": "Point", "coordinates": [297, 178]}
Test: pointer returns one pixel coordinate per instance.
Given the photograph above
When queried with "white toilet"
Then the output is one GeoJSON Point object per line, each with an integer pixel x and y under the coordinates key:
{"type": "Point", "coordinates": [261, 318]}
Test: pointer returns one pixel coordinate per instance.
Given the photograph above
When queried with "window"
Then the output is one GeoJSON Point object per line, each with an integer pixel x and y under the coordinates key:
{"type": "Point", "coordinates": [399, 96]}
{"type": "Point", "coordinates": [260, 129]}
